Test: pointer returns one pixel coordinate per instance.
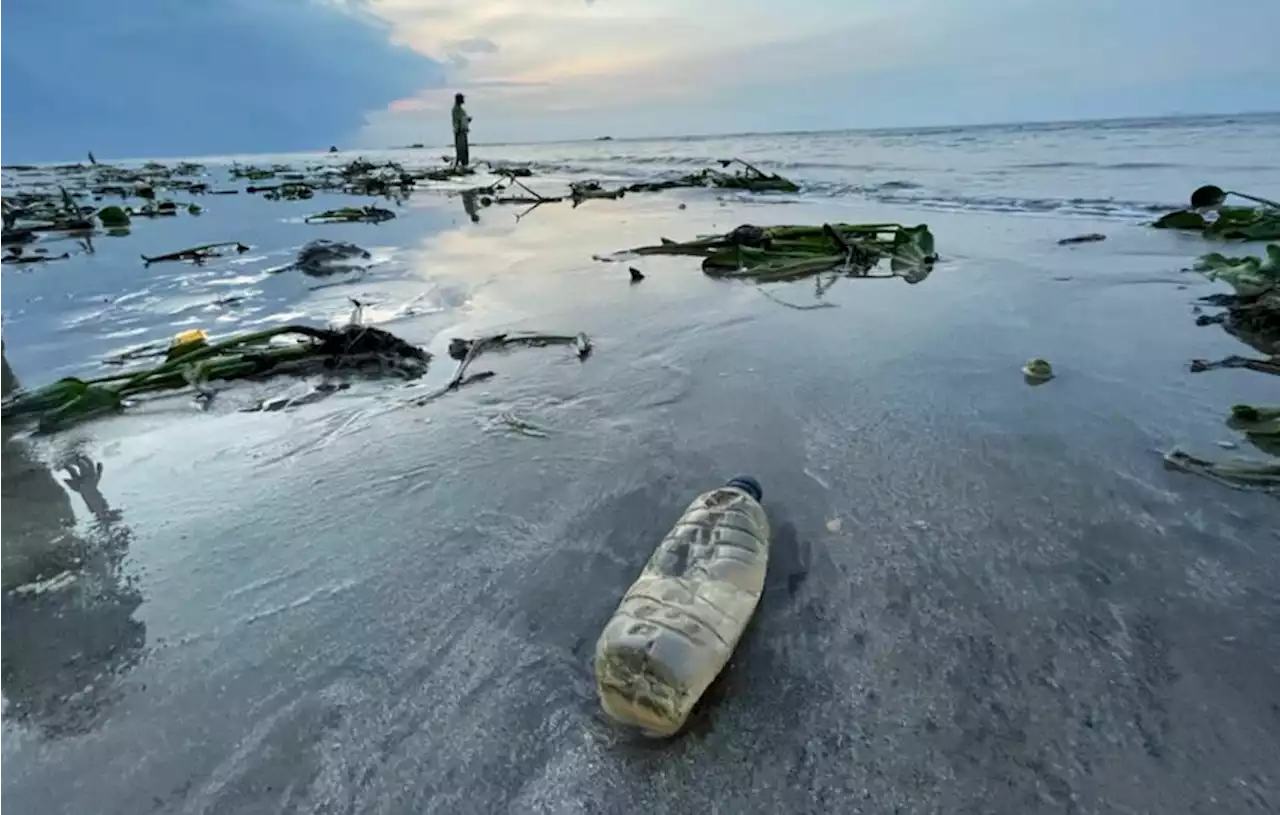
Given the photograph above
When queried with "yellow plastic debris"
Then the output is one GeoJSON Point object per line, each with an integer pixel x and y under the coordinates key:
{"type": "Point", "coordinates": [186, 342]}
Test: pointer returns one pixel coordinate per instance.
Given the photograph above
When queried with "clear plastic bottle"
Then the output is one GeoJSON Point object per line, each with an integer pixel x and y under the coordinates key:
{"type": "Point", "coordinates": [678, 623]}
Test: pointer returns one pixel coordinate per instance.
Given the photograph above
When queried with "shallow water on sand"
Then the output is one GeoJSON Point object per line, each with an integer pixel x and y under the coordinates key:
{"type": "Point", "coordinates": [983, 596]}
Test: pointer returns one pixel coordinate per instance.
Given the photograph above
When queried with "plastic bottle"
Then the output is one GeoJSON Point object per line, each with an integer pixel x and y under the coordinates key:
{"type": "Point", "coordinates": [678, 623]}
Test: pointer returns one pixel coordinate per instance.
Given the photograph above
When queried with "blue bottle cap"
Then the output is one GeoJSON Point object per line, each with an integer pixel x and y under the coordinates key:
{"type": "Point", "coordinates": [748, 485]}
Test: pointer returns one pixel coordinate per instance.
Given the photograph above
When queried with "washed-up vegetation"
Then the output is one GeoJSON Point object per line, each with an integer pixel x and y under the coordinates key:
{"type": "Point", "coordinates": [198, 254]}
{"type": "Point", "coordinates": [69, 199]}
{"type": "Point", "coordinates": [1236, 472]}
{"type": "Point", "coordinates": [369, 215]}
{"type": "Point", "coordinates": [747, 178]}
{"type": "Point", "coordinates": [1209, 215]}
{"type": "Point", "coordinates": [20, 255]}
{"type": "Point", "coordinates": [744, 177]}
{"type": "Point", "coordinates": [322, 257]}
{"type": "Point", "coordinates": [192, 362]}
{"type": "Point", "coordinates": [783, 253]}
{"type": "Point", "coordinates": [467, 351]}
{"type": "Point", "coordinates": [1251, 313]}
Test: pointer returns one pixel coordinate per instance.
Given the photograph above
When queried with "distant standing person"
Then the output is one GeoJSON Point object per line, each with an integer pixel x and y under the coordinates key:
{"type": "Point", "coordinates": [461, 127]}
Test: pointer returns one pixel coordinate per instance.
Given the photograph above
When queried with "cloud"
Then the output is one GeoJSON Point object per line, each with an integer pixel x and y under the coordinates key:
{"type": "Point", "coordinates": [220, 76]}
{"type": "Point", "coordinates": [654, 67]}
{"type": "Point", "coordinates": [475, 45]}
{"type": "Point", "coordinates": [164, 78]}
{"type": "Point", "coordinates": [458, 49]}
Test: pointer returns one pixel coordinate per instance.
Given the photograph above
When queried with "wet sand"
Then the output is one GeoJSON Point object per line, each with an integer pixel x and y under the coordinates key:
{"type": "Point", "coordinates": [983, 596]}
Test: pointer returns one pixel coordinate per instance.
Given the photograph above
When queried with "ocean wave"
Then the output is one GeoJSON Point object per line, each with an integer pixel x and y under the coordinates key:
{"type": "Point", "coordinates": [623, 160]}
{"type": "Point", "coordinates": [821, 182]}
{"type": "Point", "coordinates": [1093, 165]}
{"type": "Point", "coordinates": [1095, 207]}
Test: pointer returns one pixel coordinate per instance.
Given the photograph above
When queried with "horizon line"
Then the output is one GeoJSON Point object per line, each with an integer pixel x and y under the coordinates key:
{"type": "Point", "coordinates": [942, 128]}
{"type": "Point", "coordinates": [898, 129]}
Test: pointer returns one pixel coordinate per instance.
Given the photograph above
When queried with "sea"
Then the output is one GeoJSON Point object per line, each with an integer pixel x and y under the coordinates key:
{"type": "Point", "coordinates": [984, 596]}
{"type": "Point", "coordinates": [1123, 168]}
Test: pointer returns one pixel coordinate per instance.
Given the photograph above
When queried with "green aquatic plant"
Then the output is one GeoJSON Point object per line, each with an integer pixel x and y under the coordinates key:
{"type": "Point", "coordinates": [372, 215]}
{"type": "Point", "coordinates": [1210, 216]}
{"type": "Point", "coordinates": [113, 217]}
{"type": "Point", "coordinates": [1234, 471]}
{"type": "Point", "coordinates": [748, 177]}
{"type": "Point", "coordinates": [290, 191]}
{"type": "Point", "coordinates": [1250, 276]}
{"type": "Point", "coordinates": [1251, 419]}
{"type": "Point", "coordinates": [19, 255]}
{"type": "Point", "coordinates": [781, 253]}
{"type": "Point", "coordinates": [1213, 196]}
{"type": "Point", "coordinates": [466, 351]}
{"type": "Point", "coordinates": [1038, 370]}
{"type": "Point", "coordinates": [193, 362]}
{"type": "Point", "coordinates": [198, 254]}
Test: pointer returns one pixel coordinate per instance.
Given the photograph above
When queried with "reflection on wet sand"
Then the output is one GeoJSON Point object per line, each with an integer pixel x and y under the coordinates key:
{"type": "Point", "coordinates": [68, 627]}
{"type": "Point", "coordinates": [470, 203]}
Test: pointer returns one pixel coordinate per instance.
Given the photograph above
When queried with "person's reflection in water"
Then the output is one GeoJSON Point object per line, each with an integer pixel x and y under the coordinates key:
{"type": "Point", "coordinates": [68, 627]}
{"type": "Point", "coordinates": [469, 203]}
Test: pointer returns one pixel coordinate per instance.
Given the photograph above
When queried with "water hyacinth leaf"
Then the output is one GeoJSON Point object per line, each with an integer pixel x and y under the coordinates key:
{"type": "Point", "coordinates": [1261, 425]}
{"type": "Point", "coordinates": [1235, 472]}
{"type": "Point", "coordinates": [913, 254]}
{"type": "Point", "coordinates": [1210, 215]}
{"type": "Point", "coordinates": [1249, 276]}
{"type": "Point", "coordinates": [1207, 196]}
{"type": "Point", "coordinates": [1245, 223]}
{"type": "Point", "coordinates": [113, 217]}
{"type": "Point", "coordinates": [1182, 219]}
{"type": "Point", "coordinates": [1210, 196]}
{"type": "Point", "coordinates": [1255, 417]}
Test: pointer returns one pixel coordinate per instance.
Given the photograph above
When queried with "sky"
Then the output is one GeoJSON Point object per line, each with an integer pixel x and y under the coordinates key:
{"type": "Point", "coordinates": [174, 78]}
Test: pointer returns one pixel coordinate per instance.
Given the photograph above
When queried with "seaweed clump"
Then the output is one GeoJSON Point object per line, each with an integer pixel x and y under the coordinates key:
{"type": "Point", "coordinates": [192, 362]}
{"type": "Point", "coordinates": [782, 253]}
